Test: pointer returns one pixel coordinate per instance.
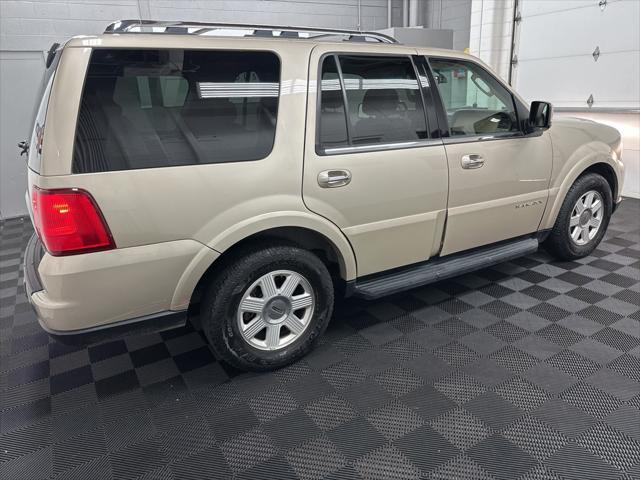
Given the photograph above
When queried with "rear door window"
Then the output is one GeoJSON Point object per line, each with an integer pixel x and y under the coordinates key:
{"type": "Point", "coordinates": [383, 101]}
{"type": "Point", "coordinates": [159, 108]}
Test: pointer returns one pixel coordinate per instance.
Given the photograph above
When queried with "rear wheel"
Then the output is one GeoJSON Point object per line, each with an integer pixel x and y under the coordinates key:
{"type": "Point", "coordinates": [268, 308]}
{"type": "Point", "coordinates": [583, 218]}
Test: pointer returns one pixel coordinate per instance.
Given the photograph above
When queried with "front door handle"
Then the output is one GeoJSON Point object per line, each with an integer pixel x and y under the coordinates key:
{"type": "Point", "coordinates": [473, 160]}
{"type": "Point", "coordinates": [334, 178]}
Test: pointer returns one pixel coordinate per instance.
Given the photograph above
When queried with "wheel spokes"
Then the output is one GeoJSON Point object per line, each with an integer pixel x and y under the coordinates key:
{"type": "Point", "coordinates": [290, 285]}
{"type": "Point", "coordinates": [301, 301]}
{"type": "Point", "coordinates": [294, 324]}
{"type": "Point", "coordinates": [255, 327]}
{"type": "Point", "coordinates": [276, 300]}
{"type": "Point", "coordinates": [268, 285]}
{"type": "Point", "coordinates": [273, 336]}
{"type": "Point", "coordinates": [585, 233]}
{"type": "Point", "coordinates": [576, 233]}
{"type": "Point", "coordinates": [588, 199]}
{"type": "Point", "coordinates": [252, 304]}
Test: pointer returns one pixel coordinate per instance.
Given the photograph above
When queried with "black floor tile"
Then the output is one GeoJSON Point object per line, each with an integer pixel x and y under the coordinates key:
{"type": "Point", "coordinates": [531, 367]}
{"type": "Point", "coordinates": [501, 458]}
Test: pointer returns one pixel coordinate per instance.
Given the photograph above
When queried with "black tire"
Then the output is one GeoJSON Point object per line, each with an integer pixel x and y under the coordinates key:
{"type": "Point", "coordinates": [222, 298]}
{"type": "Point", "coordinates": [559, 242]}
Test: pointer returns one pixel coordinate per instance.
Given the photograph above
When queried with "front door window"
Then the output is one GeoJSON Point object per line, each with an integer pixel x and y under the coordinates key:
{"type": "Point", "coordinates": [476, 103]}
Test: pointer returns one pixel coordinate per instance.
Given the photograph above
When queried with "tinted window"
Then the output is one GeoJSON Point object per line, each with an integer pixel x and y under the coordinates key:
{"type": "Point", "coordinates": [384, 102]}
{"type": "Point", "coordinates": [333, 122]}
{"type": "Point", "coordinates": [157, 108]}
{"type": "Point", "coordinates": [476, 102]}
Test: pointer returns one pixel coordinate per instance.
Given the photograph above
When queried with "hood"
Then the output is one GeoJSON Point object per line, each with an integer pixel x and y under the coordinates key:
{"type": "Point", "coordinates": [587, 130]}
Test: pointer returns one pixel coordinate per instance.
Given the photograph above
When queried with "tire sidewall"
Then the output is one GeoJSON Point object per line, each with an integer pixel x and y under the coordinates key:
{"type": "Point", "coordinates": [222, 325]}
{"type": "Point", "coordinates": [584, 184]}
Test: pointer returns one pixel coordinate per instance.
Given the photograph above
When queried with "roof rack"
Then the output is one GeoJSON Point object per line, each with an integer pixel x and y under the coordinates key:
{"type": "Point", "coordinates": [203, 28]}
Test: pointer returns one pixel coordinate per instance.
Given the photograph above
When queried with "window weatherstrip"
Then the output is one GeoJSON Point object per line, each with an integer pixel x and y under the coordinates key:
{"type": "Point", "coordinates": [423, 83]}
{"type": "Point", "coordinates": [481, 138]}
{"type": "Point", "coordinates": [344, 97]}
{"type": "Point", "coordinates": [381, 147]}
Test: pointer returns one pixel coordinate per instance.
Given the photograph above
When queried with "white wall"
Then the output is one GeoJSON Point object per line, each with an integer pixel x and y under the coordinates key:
{"type": "Point", "coordinates": [490, 33]}
{"type": "Point", "coordinates": [555, 43]}
{"type": "Point", "coordinates": [555, 46]}
{"type": "Point", "coordinates": [29, 27]}
{"type": "Point", "coordinates": [452, 15]}
{"type": "Point", "coordinates": [20, 77]}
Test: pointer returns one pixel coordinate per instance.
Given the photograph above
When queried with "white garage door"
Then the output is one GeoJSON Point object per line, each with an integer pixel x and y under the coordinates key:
{"type": "Point", "coordinates": [555, 46]}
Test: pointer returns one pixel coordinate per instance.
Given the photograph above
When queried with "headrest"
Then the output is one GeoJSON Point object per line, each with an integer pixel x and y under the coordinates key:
{"type": "Point", "coordinates": [378, 100]}
{"type": "Point", "coordinates": [332, 99]}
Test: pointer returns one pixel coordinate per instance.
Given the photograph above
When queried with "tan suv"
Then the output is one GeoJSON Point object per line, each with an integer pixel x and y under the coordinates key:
{"type": "Point", "coordinates": [253, 173]}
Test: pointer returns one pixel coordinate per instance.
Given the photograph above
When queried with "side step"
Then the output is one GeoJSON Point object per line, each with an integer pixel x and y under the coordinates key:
{"type": "Point", "coordinates": [442, 268]}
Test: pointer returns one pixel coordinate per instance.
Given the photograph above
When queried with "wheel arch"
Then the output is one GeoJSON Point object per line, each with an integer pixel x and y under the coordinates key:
{"type": "Point", "coordinates": [601, 167]}
{"type": "Point", "coordinates": [326, 242]}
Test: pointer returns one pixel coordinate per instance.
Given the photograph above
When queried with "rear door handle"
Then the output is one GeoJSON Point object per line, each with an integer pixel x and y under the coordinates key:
{"type": "Point", "coordinates": [334, 178]}
{"type": "Point", "coordinates": [473, 160]}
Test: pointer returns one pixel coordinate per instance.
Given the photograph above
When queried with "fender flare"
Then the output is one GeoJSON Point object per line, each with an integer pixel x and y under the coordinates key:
{"type": "Point", "coordinates": [558, 194]}
{"type": "Point", "coordinates": [240, 231]}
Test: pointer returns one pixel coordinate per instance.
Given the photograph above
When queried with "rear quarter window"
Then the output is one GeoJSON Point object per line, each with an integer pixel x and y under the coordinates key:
{"type": "Point", "coordinates": [170, 107]}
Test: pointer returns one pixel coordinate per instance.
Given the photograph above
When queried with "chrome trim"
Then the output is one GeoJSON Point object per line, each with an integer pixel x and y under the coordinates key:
{"type": "Point", "coordinates": [480, 138]}
{"type": "Point", "coordinates": [381, 147]}
{"type": "Point", "coordinates": [334, 178]}
{"type": "Point", "coordinates": [471, 161]}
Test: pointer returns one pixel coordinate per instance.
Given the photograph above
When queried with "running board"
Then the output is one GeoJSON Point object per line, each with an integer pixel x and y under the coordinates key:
{"type": "Point", "coordinates": [442, 268]}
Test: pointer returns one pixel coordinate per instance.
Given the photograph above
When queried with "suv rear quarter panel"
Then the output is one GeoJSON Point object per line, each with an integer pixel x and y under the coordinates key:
{"type": "Point", "coordinates": [194, 201]}
{"type": "Point", "coordinates": [186, 215]}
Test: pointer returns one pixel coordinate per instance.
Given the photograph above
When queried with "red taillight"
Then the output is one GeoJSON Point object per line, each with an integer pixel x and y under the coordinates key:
{"type": "Point", "coordinates": [69, 221]}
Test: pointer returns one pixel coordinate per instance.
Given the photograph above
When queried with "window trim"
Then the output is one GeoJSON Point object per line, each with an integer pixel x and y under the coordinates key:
{"type": "Point", "coordinates": [442, 116]}
{"type": "Point", "coordinates": [381, 147]}
{"type": "Point", "coordinates": [212, 50]}
{"type": "Point", "coordinates": [46, 87]}
{"type": "Point", "coordinates": [431, 110]}
{"type": "Point", "coordinates": [378, 147]}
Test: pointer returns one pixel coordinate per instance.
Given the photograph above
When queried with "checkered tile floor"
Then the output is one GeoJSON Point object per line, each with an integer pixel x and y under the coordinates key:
{"type": "Point", "coordinates": [528, 370]}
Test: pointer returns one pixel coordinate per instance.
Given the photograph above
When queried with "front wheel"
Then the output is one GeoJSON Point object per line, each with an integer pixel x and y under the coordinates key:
{"type": "Point", "coordinates": [583, 218]}
{"type": "Point", "coordinates": [268, 308]}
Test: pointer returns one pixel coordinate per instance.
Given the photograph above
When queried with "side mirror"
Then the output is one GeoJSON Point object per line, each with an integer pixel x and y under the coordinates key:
{"type": "Point", "coordinates": [540, 115]}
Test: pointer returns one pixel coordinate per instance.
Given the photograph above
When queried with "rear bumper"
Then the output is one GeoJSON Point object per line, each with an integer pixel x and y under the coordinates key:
{"type": "Point", "coordinates": [154, 323]}
{"type": "Point", "coordinates": [91, 297]}
{"type": "Point", "coordinates": [32, 256]}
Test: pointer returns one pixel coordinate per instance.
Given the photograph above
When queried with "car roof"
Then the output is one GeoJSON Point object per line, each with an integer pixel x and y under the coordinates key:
{"type": "Point", "coordinates": [137, 33]}
{"type": "Point", "coordinates": [168, 40]}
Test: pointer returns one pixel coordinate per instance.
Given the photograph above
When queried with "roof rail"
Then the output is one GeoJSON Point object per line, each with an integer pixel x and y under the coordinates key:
{"type": "Point", "coordinates": [202, 28]}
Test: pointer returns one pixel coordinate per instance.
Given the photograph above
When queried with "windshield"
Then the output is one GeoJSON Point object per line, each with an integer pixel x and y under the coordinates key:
{"type": "Point", "coordinates": [39, 115]}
